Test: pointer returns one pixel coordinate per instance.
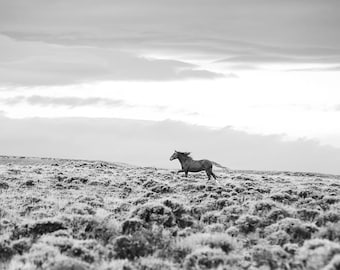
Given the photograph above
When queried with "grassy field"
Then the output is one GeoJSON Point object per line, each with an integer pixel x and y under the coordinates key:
{"type": "Point", "coordinates": [69, 214]}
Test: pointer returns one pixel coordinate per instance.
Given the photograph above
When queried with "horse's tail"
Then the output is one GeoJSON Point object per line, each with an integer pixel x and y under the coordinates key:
{"type": "Point", "coordinates": [220, 166]}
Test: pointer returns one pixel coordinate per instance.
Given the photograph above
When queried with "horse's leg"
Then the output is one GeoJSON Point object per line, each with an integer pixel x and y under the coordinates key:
{"type": "Point", "coordinates": [208, 174]}
{"type": "Point", "coordinates": [215, 178]}
{"type": "Point", "coordinates": [180, 171]}
{"type": "Point", "coordinates": [186, 173]}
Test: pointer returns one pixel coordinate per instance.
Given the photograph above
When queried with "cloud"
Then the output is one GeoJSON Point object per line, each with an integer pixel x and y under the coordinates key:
{"type": "Point", "coordinates": [38, 63]}
{"type": "Point", "coordinates": [268, 58]}
{"type": "Point", "coordinates": [105, 40]}
{"type": "Point", "coordinates": [316, 69]}
{"type": "Point", "coordinates": [151, 143]}
{"type": "Point", "coordinates": [264, 21]}
{"type": "Point", "coordinates": [63, 101]}
{"type": "Point", "coordinates": [318, 59]}
{"type": "Point", "coordinates": [73, 102]}
{"type": "Point", "coordinates": [337, 107]}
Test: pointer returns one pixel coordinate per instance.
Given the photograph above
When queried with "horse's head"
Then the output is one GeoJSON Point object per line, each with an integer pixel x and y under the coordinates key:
{"type": "Point", "coordinates": [174, 155]}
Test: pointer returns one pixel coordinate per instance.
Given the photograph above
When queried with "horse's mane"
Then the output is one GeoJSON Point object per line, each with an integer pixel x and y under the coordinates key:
{"type": "Point", "coordinates": [186, 154]}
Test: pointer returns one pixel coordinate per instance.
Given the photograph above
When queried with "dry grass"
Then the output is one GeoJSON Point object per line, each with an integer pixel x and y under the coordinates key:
{"type": "Point", "coordinates": [69, 214]}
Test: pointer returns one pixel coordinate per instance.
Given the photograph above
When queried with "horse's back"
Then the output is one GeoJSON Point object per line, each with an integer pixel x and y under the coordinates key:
{"type": "Point", "coordinates": [206, 163]}
{"type": "Point", "coordinates": [198, 165]}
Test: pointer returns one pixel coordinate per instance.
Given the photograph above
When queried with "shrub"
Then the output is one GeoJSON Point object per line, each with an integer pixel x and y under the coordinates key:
{"type": "Point", "coordinates": [262, 207]}
{"type": "Point", "coordinates": [61, 233]}
{"type": "Point", "coordinates": [187, 245]}
{"type": "Point", "coordinates": [38, 227]}
{"type": "Point", "coordinates": [185, 232]}
{"type": "Point", "coordinates": [233, 231]}
{"type": "Point", "coordinates": [160, 239]}
{"type": "Point", "coordinates": [330, 199]}
{"type": "Point", "coordinates": [3, 213]}
{"type": "Point", "coordinates": [205, 258]}
{"type": "Point", "coordinates": [282, 197]}
{"type": "Point", "coordinates": [215, 240]}
{"type": "Point", "coordinates": [142, 243]}
{"type": "Point", "coordinates": [252, 239]}
{"type": "Point", "coordinates": [7, 225]}
{"type": "Point", "coordinates": [262, 189]}
{"type": "Point", "coordinates": [65, 263]}
{"type": "Point", "coordinates": [197, 211]}
{"type": "Point", "coordinates": [220, 203]}
{"type": "Point", "coordinates": [239, 189]}
{"type": "Point", "coordinates": [271, 256]}
{"type": "Point", "coordinates": [214, 228]}
{"type": "Point", "coordinates": [29, 183]}
{"type": "Point", "coordinates": [80, 209]}
{"type": "Point", "coordinates": [61, 242]}
{"type": "Point", "coordinates": [45, 257]}
{"type": "Point", "coordinates": [151, 183]}
{"type": "Point", "coordinates": [6, 252]}
{"type": "Point", "coordinates": [32, 204]}
{"type": "Point", "coordinates": [123, 207]}
{"type": "Point", "coordinates": [308, 193]}
{"type": "Point", "coordinates": [94, 201]}
{"type": "Point", "coordinates": [152, 263]}
{"type": "Point", "coordinates": [21, 245]}
{"type": "Point", "coordinates": [279, 237]}
{"type": "Point", "coordinates": [335, 207]}
{"type": "Point", "coordinates": [275, 215]}
{"type": "Point", "coordinates": [161, 188]}
{"type": "Point", "coordinates": [182, 216]}
{"type": "Point", "coordinates": [308, 203]}
{"type": "Point", "coordinates": [131, 225]}
{"type": "Point", "coordinates": [176, 207]}
{"type": "Point", "coordinates": [330, 231]}
{"type": "Point", "coordinates": [4, 185]}
{"type": "Point", "coordinates": [155, 213]}
{"type": "Point", "coordinates": [117, 265]}
{"type": "Point", "coordinates": [92, 227]}
{"type": "Point", "coordinates": [248, 223]}
{"type": "Point", "coordinates": [185, 220]}
{"type": "Point", "coordinates": [76, 180]}
{"type": "Point", "coordinates": [182, 248]}
{"type": "Point", "coordinates": [307, 214]}
{"type": "Point", "coordinates": [317, 253]}
{"type": "Point", "coordinates": [211, 217]}
{"type": "Point", "coordinates": [295, 228]}
{"type": "Point", "coordinates": [232, 213]}
{"type": "Point", "coordinates": [85, 250]}
{"type": "Point", "coordinates": [131, 246]}
{"type": "Point", "coordinates": [291, 248]}
{"type": "Point", "coordinates": [329, 216]}
{"type": "Point", "coordinates": [334, 264]}
{"type": "Point", "coordinates": [79, 250]}
{"type": "Point", "coordinates": [40, 256]}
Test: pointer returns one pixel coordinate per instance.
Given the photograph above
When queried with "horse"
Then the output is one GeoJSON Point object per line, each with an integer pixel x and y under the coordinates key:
{"type": "Point", "coordinates": [190, 165]}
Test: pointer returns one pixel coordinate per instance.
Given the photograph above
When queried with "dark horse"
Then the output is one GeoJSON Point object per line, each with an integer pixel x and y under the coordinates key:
{"type": "Point", "coordinates": [190, 165]}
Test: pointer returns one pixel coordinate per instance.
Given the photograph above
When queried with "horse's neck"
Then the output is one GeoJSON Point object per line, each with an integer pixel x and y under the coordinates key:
{"type": "Point", "coordinates": [183, 159]}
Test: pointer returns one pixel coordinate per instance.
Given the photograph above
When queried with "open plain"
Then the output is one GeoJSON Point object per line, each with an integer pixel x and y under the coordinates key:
{"type": "Point", "coordinates": [76, 214]}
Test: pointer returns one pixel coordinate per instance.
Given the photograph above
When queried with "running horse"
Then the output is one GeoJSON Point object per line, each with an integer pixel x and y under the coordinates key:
{"type": "Point", "coordinates": [190, 165]}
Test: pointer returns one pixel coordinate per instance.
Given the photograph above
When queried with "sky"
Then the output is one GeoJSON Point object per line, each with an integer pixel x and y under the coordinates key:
{"type": "Point", "coordinates": [249, 84]}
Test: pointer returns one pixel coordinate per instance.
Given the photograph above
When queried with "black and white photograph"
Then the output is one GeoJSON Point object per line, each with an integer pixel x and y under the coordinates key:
{"type": "Point", "coordinates": [169, 134]}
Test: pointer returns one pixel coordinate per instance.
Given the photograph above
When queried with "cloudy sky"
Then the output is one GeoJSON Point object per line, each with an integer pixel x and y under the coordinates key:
{"type": "Point", "coordinates": [249, 84]}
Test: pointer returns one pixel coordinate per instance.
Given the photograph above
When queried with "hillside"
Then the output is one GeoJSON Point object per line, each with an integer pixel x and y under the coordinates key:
{"type": "Point", "coordinates": [73, 214]}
